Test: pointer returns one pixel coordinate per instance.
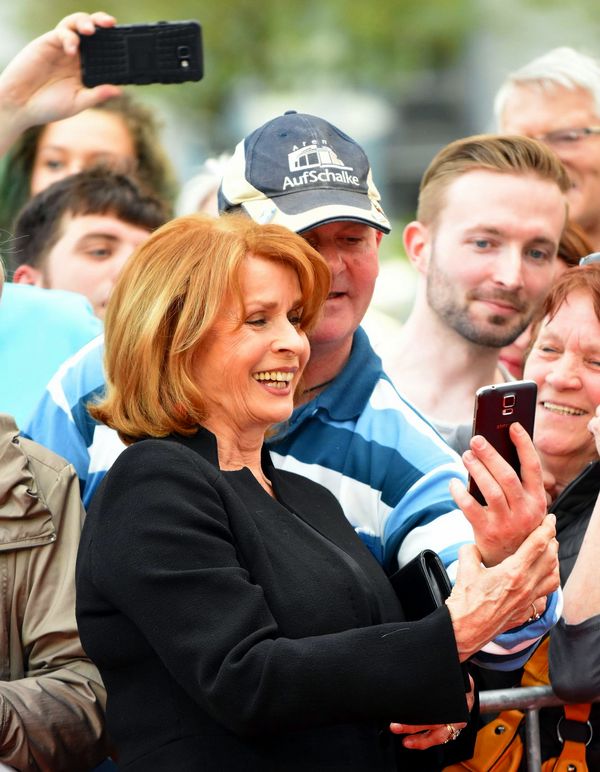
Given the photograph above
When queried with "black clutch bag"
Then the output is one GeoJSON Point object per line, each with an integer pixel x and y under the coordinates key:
{"type": "Point", "coordinates": [422, 585]}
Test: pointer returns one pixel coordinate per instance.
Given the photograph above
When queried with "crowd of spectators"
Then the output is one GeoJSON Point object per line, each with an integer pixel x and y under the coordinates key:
{"type": "Point", "coordinates": [214, 483]}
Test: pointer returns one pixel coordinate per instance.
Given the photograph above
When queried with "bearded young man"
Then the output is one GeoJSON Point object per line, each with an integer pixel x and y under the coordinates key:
{"type": "Point", "coordinates": [489, 221]}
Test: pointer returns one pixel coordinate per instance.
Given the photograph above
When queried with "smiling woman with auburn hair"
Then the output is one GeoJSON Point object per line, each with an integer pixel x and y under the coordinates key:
{"type": "Point", "coordinates": [165, 303]}
{"type": "Point", "coordinates": [236, 617]}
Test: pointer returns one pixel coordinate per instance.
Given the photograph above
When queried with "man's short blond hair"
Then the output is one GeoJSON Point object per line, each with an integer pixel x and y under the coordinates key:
{"type": "Point", "coordinates": [506, 154]}
{"type": "Point", "coordinates": [165, 302]}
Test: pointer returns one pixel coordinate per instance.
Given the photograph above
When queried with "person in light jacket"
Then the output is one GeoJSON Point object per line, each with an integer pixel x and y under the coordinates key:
{"type": "Point", "coordinates": [51, 695]}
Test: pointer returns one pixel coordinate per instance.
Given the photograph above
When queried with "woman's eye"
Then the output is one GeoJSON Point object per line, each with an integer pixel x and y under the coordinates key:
{"type": "Point", "coordinates": [256, 322]}
{"type": "Point", "coordinates": [54, 165]}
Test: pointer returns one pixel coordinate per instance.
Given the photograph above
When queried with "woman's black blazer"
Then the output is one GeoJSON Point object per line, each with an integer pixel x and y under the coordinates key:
{"type": "Point", "coordinates": [238, 632]}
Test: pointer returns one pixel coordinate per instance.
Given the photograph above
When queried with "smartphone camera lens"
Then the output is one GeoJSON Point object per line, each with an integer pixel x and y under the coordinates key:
{"type": "Point", "coordinates": [183, 54]}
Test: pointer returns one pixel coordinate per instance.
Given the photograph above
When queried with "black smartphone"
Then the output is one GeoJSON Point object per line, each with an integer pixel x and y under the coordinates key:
{"type": "Point", "coordinates": [161, 52]}
{"type": "Point", "coordinates": [496, 408]}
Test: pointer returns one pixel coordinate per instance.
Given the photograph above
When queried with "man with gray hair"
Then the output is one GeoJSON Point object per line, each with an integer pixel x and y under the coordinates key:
{"type": "Point", "coordinates": [556, 98]}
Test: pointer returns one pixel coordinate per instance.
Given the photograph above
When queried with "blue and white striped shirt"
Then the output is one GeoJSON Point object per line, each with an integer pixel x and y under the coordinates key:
{"type": "Point", "coordinates": [387, 466]}
{"type": "Point", "coordinates": [62, 422]}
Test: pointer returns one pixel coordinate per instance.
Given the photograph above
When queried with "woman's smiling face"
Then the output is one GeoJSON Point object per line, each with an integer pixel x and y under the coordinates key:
{"type": "Point", "coordinates": [565, 364]}
{"type": "Point", "coordinates": [251, 361]}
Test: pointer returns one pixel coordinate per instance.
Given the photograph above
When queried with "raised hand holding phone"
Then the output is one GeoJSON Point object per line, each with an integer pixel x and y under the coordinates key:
{"type": "Point", "coordinates": [42, 83]}
{"type": "Point", "coordinates": [513, 505]}
{"type": "Point", "coordinates": [497, 407]}
{"type": "Point", "coordinates": [159, 52]}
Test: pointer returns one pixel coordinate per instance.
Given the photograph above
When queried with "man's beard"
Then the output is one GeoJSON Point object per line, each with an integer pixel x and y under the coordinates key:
{"type": "Point", "coordinates": [496, 331]}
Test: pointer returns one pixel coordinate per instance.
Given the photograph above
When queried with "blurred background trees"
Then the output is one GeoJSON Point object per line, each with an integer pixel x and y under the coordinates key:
{"type": "Point", "coordinates": [404, 77]}
{"type": "Point", "coordinates": [285, 44]}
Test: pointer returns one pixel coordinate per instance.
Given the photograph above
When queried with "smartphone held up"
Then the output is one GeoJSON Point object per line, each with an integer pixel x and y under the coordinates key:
{"type": "Point", "coordinates": [496, 408]}
{"type": "Point", "coordinates": [161, 52]}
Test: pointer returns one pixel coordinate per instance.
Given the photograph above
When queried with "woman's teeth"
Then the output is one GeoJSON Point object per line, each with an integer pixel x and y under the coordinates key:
{"type": "Point", "coordinates": [562, 409]}
{"type": "Point", "coordinates": [275, 378]}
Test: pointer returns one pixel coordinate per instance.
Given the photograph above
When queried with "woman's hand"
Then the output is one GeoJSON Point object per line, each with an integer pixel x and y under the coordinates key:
{"type": "Point", "coordinates": [43, 81]}
{"type": "Point", "coordinates": [514, 507]}
{"type": "Point", "coordinates": [422, 736]}
{"type": "Point", "coordinates": [488, 601]}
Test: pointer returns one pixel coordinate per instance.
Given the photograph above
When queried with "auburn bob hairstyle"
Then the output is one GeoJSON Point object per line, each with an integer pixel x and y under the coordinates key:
{"type": "Point", "coordinates": [165, 302]}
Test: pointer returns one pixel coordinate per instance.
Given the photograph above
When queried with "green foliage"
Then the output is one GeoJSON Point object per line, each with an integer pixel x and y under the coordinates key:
{"type": "Point", "coordinates": [287, 44]}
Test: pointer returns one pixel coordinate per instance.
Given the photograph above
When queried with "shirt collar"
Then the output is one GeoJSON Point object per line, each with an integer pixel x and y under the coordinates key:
{"type": "Point", "coordinates": [345, 398]}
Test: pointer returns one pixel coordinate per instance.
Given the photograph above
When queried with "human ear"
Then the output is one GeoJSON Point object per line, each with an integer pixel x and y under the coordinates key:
{"type": "Point", "coordinates": [27, 274]}
{"type": "Point", "coordinates": [417, 245]}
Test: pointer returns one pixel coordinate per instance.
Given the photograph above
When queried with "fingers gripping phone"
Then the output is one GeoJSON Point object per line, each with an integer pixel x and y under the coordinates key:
{"type": "Point", "coordinates": [496, 408]}
{"type": "Point", "coordinates": [162, 52]}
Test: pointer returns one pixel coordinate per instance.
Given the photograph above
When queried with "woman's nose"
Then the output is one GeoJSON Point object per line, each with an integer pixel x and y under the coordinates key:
{"type": "Point", "coordinates": [289, 338]}
{"type": "Point", "coordinates": [76, 165]}
{"type": "Point", "coordinates": [564, 375]}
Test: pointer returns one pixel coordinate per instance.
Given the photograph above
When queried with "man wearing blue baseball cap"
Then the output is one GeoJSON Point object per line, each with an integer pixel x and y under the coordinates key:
{"type": "Point", "coordinates": [301, 172]}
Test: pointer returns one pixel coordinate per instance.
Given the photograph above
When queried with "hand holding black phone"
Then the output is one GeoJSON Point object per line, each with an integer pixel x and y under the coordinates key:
{"type": "Point", "coordinates": [161, 52]}
{"type": "Point", "coordinates": [496, 408]}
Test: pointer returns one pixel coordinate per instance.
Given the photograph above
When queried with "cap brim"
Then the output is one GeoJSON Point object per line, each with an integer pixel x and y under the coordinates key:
{"type": "Point", "coordinates": [291, 210]}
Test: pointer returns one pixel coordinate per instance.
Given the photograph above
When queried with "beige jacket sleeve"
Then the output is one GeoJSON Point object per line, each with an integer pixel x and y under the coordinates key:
{"type": "Point", "coordinates": [51, 695]}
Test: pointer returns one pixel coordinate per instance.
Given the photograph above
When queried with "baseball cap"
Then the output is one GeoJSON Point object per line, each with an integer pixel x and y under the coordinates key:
{"type": "Point", "coordinates": [300, 171]}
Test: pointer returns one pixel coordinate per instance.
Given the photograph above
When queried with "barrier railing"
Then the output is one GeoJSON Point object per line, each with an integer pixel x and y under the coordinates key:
{"type": "Point", "coordinates": [529, 699]}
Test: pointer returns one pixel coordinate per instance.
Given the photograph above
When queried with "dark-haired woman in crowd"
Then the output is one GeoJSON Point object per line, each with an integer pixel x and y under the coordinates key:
{"type": "Point", "coordinates": [53, 126]}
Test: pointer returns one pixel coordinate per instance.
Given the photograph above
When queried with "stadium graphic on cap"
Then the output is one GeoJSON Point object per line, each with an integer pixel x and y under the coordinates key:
{"type": "Point", "coordinates": [300, 171]}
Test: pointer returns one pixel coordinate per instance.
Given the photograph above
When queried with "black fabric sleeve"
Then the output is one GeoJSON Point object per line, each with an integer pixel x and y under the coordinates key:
{"type": "Point", "coordinates": [574, 660]}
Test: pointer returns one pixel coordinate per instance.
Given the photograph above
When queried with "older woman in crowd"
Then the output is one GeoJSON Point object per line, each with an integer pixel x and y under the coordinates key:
{"type": "Point", "coordinates": [565, 363]}
{"type": "Point", "coordinates": [237, 619]}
